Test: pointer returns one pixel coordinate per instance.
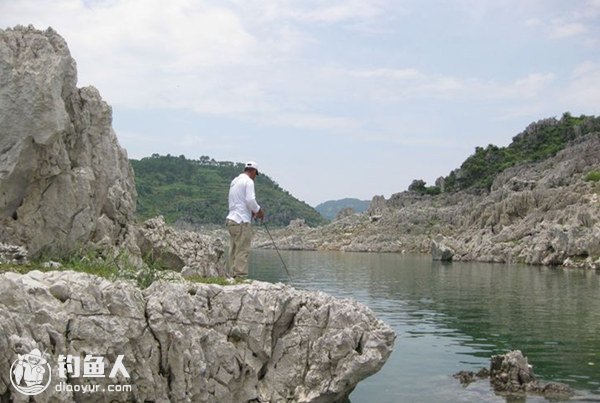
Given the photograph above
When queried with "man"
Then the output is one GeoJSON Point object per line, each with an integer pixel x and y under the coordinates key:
{"type": "Point", "coordinates": [242, 208]}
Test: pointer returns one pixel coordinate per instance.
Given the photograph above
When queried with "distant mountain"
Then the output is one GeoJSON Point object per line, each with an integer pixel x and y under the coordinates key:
{"type": "Point", "coordinates": [329, 209]}
{"type": "Point", "coordinates": [196, 191]}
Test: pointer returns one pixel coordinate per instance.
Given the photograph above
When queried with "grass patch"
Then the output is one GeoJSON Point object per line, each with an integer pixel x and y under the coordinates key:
{"type": "Point", "coordinates": [119, 267]}
{"type": "Point", "coordinates": [593, 176]}
{"type": "Point", "coordinates": [214, 280]}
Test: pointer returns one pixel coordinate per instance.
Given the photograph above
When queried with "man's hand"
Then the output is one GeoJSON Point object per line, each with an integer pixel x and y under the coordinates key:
{"type": "Point", "coordinates": [259, 215]}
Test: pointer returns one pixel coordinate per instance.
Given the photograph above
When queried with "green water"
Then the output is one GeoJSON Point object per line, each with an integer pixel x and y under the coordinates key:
{"type": "Point", "coordinates": [453, 317]}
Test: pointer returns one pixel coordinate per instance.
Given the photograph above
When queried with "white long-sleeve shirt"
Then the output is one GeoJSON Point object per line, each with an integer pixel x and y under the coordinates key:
{"type": "Point", "coordinates": [242, 200]}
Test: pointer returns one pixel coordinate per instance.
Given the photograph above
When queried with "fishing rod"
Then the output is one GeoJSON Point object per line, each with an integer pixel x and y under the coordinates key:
{"type": "Point", "coordinates": [277, 249]}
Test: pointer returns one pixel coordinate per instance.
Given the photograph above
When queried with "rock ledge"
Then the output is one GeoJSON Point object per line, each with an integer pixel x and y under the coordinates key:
{"type": "Point", "coordinates": [193, 342]}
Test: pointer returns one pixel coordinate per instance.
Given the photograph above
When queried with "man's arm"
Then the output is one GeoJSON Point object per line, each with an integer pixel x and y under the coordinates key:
{"type": "Point", "coordinates": [251, 199]}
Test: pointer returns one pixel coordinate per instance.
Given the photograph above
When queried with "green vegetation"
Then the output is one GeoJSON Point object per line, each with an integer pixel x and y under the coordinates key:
{"type": "Point", "coordinates": [196, 191]}
{"type": "Point", "coordinates": [331, 208]}
{"type": "Point", "coordinates": [540, 140]}
{"type": "Point", "coordinates": [593, 176]}
{"type": "Point", "coordinates": [215, 280]}
{"type": "Point", "coordinates": [111, 268]}
{"type": "Point", "coordinates": [418, 186]}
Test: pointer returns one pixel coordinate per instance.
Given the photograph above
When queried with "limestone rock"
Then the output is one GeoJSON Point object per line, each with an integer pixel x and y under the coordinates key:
{"type": "Point", "coordinates": [345, 212]}
{"type": "Point", "coordinates": [511, 374]}
{"type": "Point", "coordinates": [297, 223]}
{"type": "Point", "coordinates": [192, 342]}
{"type": "Point", "coordinates": [12, 254]}
{"type": "Point", "coordinates": [536, 213]}
{"type": "Point", "coordinates": [62, 170]}
{"type": "Point", "coordinates": [187, 252]}
{"type": "Point", "coordinates": [440, 251]}
{"type": "Point", "coordinates": [377, 205]}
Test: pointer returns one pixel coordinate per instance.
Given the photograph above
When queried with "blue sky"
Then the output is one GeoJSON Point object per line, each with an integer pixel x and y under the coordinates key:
{"type": "Point", "coordinates": [332, 98]}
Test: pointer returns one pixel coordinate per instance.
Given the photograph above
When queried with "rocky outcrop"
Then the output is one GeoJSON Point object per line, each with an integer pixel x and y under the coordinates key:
{"type": "Point", "coordinates": [345, 212]}
{"type": "Point", "coordinates": [12, 254]}
{"type": "Point", "coordinates": [439, 250]}
{"type": "Point", "coordinates": [186, 252]}
{"type": "Point", "coordinates": [511, 375]}
{"type": "Point", "coordinates": [536, 213]}
{"type": "Point", "coordinates": [191, 342]}
{"type": "Point", "coordinates": [65, 180]}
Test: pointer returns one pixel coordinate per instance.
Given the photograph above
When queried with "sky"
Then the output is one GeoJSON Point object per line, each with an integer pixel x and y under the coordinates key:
{"type": "Point", "coordinates": [332, 98]}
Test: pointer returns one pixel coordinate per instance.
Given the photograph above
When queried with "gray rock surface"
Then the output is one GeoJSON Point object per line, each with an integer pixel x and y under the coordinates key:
{"type": "Point", "coordinates": [439, 250]}
{"type": "Point", "coordinates": [188, 342]}
{"type": "Point", "coordinates": [65, 180]}
{"type": "Point", "coordinates": [511, 375]}
{"type": "Point", "coordinates": [12, 254]}
{"type": "Point", "coordinates": [187, 252]}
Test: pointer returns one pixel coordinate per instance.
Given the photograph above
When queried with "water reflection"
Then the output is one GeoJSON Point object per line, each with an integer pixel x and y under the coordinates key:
{"type": "Point", "coordinates": [453, 317]}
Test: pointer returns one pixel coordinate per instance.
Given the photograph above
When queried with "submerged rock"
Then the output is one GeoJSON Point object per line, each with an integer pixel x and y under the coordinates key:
{"type": "Point", "coordinates": [192, 342]}
{"type": "Point", "coordinates": [511, 375]}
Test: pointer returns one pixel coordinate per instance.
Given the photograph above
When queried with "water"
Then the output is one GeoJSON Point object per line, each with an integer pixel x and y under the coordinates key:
{"type": "Point", "coordinates": [455, 316]}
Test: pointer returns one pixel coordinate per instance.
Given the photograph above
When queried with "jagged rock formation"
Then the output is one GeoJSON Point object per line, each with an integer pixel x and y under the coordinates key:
{"type": "Point", "coordinates": [64, 179]}
{"type": "Point", "coordinates": [187, 252]}
{"type": "Point", "coordinates": [191, 342]}
{"type": "Point", "coordinates": [536, 213]}
{"type": "Point", "coordinates": [12, 254]}
{"type": "Point", "coordinates": [439, 250]}
{"type": "Point", "coordinates": [511, 375]}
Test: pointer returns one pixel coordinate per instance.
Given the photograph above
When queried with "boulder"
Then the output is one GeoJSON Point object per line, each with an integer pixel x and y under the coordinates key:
{"type": "Point", "coordinates": [511, 375]}
{"type": "Point", "coordinates": [440, 251]}
{"type": "Point", "coordinates": [345, 212]}
{"type": "Point", "coordinates": [187, 252]}
{"type": "Point", "coordinates": [65, 180]}
{"type": "Point", "coordinates": [12, 254]}
{"type": "Point", "coordinates": [185, 341]}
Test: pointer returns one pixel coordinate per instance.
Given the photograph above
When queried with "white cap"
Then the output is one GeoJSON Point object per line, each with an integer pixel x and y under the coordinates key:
{"type": "Point", "coordinates": [252, 164]}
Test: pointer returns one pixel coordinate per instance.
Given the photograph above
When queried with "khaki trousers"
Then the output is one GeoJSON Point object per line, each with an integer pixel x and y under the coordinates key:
{"type": "Point", "coordinates": [240, 237]}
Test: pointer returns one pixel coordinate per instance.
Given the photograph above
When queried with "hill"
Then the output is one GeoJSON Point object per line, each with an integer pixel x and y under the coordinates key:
{"type": "Point", "coordinates": [196, 191]}
{"type": "Point", "coordinates": [331, 208]}
{"type": "Point", "coordinates": [539, 141]}
{"type": "Point", "coordinates": [535, 201]}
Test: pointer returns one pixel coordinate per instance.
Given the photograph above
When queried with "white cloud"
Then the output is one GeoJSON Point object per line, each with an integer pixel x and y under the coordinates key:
{"type": "Point", "coordinates": [533, 22]}
{"type": "Point", "coordinates": [144, 53]}
{"type": "Point", "coordinates": [389, 85]}
{"type": "Point", "coordinates": [393, 74]}
{"type": "Point", "coordinates": [560, 29]}
{"type": "Point", "coordinates": [338, 11]}
{"type": "Point", "coordinates": [323, 11]}
{"type": "Point", "coordinates": [583, 90]}
{"type": "Point", "coordinates": [311, 121]}
{"type": "Point", "coordinates": [260, 60]}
